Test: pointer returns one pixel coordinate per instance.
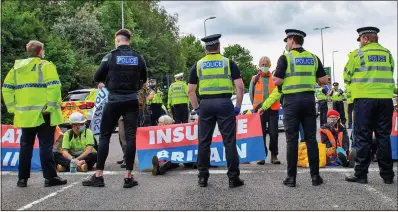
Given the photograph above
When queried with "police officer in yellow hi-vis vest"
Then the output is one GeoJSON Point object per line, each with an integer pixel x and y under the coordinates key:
{"type": "Point", "coordinates": [322, 97]}
{"type": "Point", "coordinates": [32, 91]}
{"type": "Point", "coordinates": [178, 100]}
{"type": "Point", "coordinates": [337, 98]}
{"type": "Point", "coordinates": [155, 102]}
{"type": "Point", "coordinates": [297, 72]}
{"type": "Point", "coordinates": [216, 76]}
{"type": "Point", "coordinates": [369, 73]}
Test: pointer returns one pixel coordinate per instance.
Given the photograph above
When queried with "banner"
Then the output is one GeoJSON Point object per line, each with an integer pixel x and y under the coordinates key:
{"type": "Point", "coordinates": [179, 143]}
{"type": "Point", "coordinates": [100, 101]}
{"type": "Point", "coordinates": [394, 136]}
{"type": "Point", "coordinates": [10, 139]}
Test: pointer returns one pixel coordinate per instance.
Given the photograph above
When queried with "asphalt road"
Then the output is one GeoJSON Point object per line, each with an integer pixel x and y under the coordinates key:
{"type": "Point", "coordinates": [178, 190]}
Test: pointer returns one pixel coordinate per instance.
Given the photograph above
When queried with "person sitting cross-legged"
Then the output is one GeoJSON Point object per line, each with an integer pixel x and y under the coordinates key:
{"type": "Point", "coordinates": [79, 142]}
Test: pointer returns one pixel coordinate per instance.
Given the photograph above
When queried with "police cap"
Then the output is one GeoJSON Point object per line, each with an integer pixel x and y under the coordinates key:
{"type": "Point", "coordinates": [211, 39]}
{"type": "Point", "coordinates": [179, 75]}
{"type": "Point", "coordinates": [335, 84]}
{"type": "Point", "coordinates": [365, 30]}
{"type": "Point", "coordinates": [296, 32]}
{"type": "Point", "coordinates": [152, 80]}
{"type": "Point", "coordinates": [124, 32]}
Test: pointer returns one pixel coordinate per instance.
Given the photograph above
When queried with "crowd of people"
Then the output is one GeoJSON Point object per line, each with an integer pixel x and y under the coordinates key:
{"type": "Point", "coordinates": [131, 104]}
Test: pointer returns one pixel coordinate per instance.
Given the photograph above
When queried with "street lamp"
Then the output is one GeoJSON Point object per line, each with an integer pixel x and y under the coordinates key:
{"type": "Point", "coordinates": [333, 65]}
{"type": "Point", "coordinates": [122, 14]}
{"type": "Point", "coordinates": [323, 59]}
{"type": "Point", "coordinates": [204, 23]}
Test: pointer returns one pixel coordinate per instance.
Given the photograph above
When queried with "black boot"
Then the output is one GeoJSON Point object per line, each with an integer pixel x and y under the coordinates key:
{"type": "Point", "coordinates": [202, 182]}
{"type": "Point", "coordinates": [94, 181]}
{"type": "Point", "coordinates": [155, 166]}
{"type": "Point", "coordinates": [236, 182]}
{"type": "Point", "coordinates": [129, 182]}
{"type": "Point", "coordinates": [343, 159]}
{"type": "Point", "coordinates": [316, 180]}
{"type": "Point", "coordinates": [261, 162]}
{"type": "Point", "coordinates": [290, 182]}
{"type": "Point", "coordinates": [355, 179]}
{"type": "Point", "coordinates": [55, 181]}
{"type": "Point", "coordinates": [22, 183]}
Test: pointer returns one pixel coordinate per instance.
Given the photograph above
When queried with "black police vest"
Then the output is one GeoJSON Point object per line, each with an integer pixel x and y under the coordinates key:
{"type": "Point", "coordinates": [124, 71]}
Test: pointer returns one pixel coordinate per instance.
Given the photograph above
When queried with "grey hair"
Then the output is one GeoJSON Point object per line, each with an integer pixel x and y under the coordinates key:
{"type": "Point", "coordinates": [266, 59]}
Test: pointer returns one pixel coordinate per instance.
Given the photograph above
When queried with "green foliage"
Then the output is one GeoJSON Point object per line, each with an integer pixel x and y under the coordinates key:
{"type": "Point", "coordinates": [243, 59]}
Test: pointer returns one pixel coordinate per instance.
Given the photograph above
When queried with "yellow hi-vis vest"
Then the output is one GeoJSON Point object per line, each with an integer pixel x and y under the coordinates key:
{"type": "Point", "coordinates": [30, 87]}
{"type": "Point", "coordinates": [214, 75]}
{"type": "Point", "coordinates": [371, 71]}
{"type": "Point", "coordinates": [178, 94]}
{"type": "Point", "coordinates": [300, 73]}
{"type": "Point", "coordinates": [337, 96]}
{"type": "Point", "coordinates": [157, 97]}
{"type": "Point", "coordinates": [320, 95]}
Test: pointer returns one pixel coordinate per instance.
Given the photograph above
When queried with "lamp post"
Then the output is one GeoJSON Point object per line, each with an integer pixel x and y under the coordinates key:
{"type": "Point", "coordinates": [333, 65]}
{"type": "Point", "coordinates": [204, 23]}
{"type": "Point", "coordinates": [323, 59]}
{"type": "Point", "coordinates": [122, 14]}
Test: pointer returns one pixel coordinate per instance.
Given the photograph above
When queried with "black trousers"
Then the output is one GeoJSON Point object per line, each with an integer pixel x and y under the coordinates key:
{"type": "Point", "coordinates": [339, 107]}
{"type": "Point", "coordinates": [373, 115]}
{"type": "Point", "coordinates": [90, 159]}
{"type": "Point", "coordinates": [111, 114]}
{"type": "Point", "coordinates": [349, 112]}
{"type": "Point", "coordinates": [323, 110]}
{"type": "Point", "coordinates": [300, 108]}
{"type": "Point", "coordinates": [180, 113]}
{"type": "Point", "coordinates": [269, 122]}
{"type": "Point", "coordinates": [220, 111]}
{"type": "Point", "coordinates": [45, 134]}
{"type": "Point", "coordinates": [157, 112]}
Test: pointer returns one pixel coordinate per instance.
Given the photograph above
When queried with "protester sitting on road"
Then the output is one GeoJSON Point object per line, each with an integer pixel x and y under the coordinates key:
{"type": "Point", "coordinates": [79, 143]}
{"type": "Point", "coordinates": [335, 136]}
{"type": "Point", "coordinates": [60, 161]}
{"type": "Point", "coordinates": [160, 167]}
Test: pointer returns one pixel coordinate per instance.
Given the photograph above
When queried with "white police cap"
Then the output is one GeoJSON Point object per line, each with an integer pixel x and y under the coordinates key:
{"type": "Point", "coordinates": [365, 30]}
{"type": "Point", "coordinates": [179, 75]}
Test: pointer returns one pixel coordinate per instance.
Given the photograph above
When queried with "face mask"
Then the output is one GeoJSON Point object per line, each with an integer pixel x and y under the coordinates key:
{"type": "Point", "coordinates": [264, 69]}
{"type": "Point", "coordinates": [82, 128]}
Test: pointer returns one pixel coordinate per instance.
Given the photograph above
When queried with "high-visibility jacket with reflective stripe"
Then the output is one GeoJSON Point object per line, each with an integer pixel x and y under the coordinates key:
{"type": "Point", "coordinates": [178, 94]}
{"type": "Point", "coordinates": [275, 96]}
{"type": "Point", "coordinates": [30, 87]}
{"type": "Point", "coordinates": [337, 96]}
{"type": "Point", "coordinates": [369, 72]}
{"type": "Point", "coordinates": [157, 97]}
{"type": "Point", "coordinates": [300, 73]}
{"type": "Point", "coordinates": [214, 75]}
{"type": "Point", "coordinates": [320, 95]}
{"type": "Point", "coordinates": [348, 94]}
{"type": "Point", "coordinates": [258, 97]}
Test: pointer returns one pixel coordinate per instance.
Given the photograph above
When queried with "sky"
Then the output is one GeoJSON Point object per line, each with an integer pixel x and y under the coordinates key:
{"type": "Point", "coordinates": [260, 26]}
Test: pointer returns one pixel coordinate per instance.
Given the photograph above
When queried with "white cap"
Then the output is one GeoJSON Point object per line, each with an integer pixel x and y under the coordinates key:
{"type": "Point", "coordinates": [179, 75]}
{"type": "Point", "coordinates": [77, 118]}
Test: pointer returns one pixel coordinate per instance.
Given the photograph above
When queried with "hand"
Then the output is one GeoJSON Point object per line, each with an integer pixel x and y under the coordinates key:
{"type": "Point", "coordinates": [197, 111]}
{"type": "Point", "coordinates": [169, 110]}
{"type": "Point", "coordinates": [237, 110]}
{"type": "Point", "coordinates": [101, 85]}
{"type": "Point", "coordinates": [260, 111]}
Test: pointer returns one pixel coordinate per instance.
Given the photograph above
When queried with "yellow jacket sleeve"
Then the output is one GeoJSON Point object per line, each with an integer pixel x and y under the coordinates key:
{"type": "Point", "coordinates": [272, 98]}
{"type": "Point", "coordinates": [53, 86]}
{"type": "Point", "coordinates": [9, 91]}
{"type": "Point", "coordinates": [169, 96]}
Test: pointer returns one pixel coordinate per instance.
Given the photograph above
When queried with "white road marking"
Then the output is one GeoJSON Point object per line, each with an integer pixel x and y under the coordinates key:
{"type": "Point", "coordinates": [376, 193]}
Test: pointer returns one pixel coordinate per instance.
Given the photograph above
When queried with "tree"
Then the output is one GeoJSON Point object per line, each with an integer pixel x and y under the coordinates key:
{"type": "Point", "coordinates": [192, 50]}
{"type": "Point", "coordinates": [243, 59]}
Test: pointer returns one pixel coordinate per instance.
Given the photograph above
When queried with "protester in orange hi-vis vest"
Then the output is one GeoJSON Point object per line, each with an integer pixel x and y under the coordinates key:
{"type": "Point", "coordinates": [261, 87]}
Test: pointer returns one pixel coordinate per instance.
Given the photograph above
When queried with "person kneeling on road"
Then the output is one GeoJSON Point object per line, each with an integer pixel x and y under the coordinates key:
{"type": "Point", "coordinates": [78, 142]}
{"type": "Point", "coordinates": [335, 136]}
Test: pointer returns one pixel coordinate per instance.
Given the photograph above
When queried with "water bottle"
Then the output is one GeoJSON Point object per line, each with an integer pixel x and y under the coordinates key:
{"type": "Point", "coordinates": [73, 165]}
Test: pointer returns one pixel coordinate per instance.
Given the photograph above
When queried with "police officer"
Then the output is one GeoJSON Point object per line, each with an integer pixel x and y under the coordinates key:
{"type": "Point", "coordinates": [369, 72]}
{"type": "Point", "coordinates": [337, 98]}
{"type": "Point", "coordinates": [32, 91]}
{"type": "Point", "coordinates": [178, 99]}
{"type": "Point", "coordinates": [155, 102]}
{"type": "Point", "coordinates": [216, 76]}
{"type": "Point", "coordinates": [297, 71]}
{"type": "Point", "coordinates": [322, 97]}
{"type": "Point", "coordinates": [123, 70]}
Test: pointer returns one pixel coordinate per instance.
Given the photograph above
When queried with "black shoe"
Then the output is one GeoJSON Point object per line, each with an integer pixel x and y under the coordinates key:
{"type": "Point", "coordinates": [236, 182]}
{"type": "Point", "coordinates": [355, 179]}
{"type": "Point", "coordinates": [129, 182]}
{"type": "Point", "coordinates": [166, 166]}
{"type": "Point", "coordinates": [388, 180]}
{"type": "Point", "coordinates": [119, 161]}
{"type": "Point", "coordinates": [353, 156]}
{"type": "Point", "coordinates": [155, 166]}
{"type": "Point", "coordinates": [202, 182]}
{"type": "Point", "coordinates": [290, 182]}
{"type": "Point", "coordinates": [55, 181]}
{"type": "Point", "coordinates": [123, 165]}
{"type": "Point", "coordinates": [261, 162]}
{"type": "Point", "coordinates": [343, 159]}
{"type": "Point", "coordinates": [22, 183]}
{"type": "Point", "coordinates": [94, 181]}
{"type": "Point", "coordinates": [316, 180]}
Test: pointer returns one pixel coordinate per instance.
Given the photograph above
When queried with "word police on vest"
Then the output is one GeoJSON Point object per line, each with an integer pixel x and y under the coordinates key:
{"type": "Point", "coordinates": [377, 58]}
{"type": "Point", "coordinates": [305, 61]}
{"type": "Point", "coordinates": [127, 60]}
{"type": "Point", "coordinates": [191, 133]}
{"type": "Point", "coordinates": [213, 64]}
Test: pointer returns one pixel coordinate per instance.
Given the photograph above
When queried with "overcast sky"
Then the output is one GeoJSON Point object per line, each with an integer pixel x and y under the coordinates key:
{"type": "Point", "coordinates": [260, 25]}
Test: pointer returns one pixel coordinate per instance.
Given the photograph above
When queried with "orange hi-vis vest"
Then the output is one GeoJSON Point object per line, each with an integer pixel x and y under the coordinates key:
{"type": "Point", "coordinates": [258, 97]}
{"type": "Point", "coordinates": [330, 136]}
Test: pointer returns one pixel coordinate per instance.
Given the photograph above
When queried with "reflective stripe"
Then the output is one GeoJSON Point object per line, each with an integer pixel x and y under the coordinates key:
{"type": "Point", "coordinates": [51, 103]}
{"type": "Point", "coordinates": [8, 86]}
{"type": "Point", "coordinates": [55, 82]}
{"type": "Point", "coordinates": [257, 102]}
{"type": "Point", "coordinates": [10, 104]}
{"type": "Point", "coordinates": [30, 85]}
{"type": "Point", "coordinates": [216, 89]}
{"type": "Point", "coordinates": [178, 96]}
{"type": "Point", "coordinates": [40, 72]}
{"type": "Point", "coordinates": [291, 87]}
{"type": "Point", "coordinates": [299, 74]}
{"type": "Point", "coordinates": [373, 68]}
{"type": "Point", "coordinates": [291, 63]}
{"type": "Point", "coordinates": [28, 108]}
{"type": "Point", "coordinates": [216, 76]}
{"type": "Point", "coordinates": [258, 92]}
{"type": "Point", "coordinates": [376, 50]}
{"type": "Point", "coordinates": [382, 80]}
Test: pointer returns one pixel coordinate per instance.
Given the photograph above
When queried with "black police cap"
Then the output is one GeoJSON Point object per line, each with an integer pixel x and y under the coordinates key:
{"type": "Point", "coordinates": [365, 30]}
{"type": "Point", "coordinates": [211, 39]}
{"type": "Point", "coordinates": [296, 32]}
{"type": "Point", "coordinates": [124, 32]}
{"type": "Point", "coordinates": [335, 84]}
